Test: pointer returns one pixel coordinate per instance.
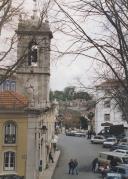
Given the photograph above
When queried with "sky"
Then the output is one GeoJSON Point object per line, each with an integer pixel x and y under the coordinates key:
{"type": "Point", "coordinates": [66, 71]}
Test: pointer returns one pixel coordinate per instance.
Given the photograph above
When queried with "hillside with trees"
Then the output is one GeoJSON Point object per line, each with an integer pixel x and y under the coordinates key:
{"type": "Point", "coordinates": [74, 104]}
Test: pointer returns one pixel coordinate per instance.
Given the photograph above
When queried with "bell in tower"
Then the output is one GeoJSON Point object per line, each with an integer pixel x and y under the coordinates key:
{"type": "Point", "coordinates": [33, 54]}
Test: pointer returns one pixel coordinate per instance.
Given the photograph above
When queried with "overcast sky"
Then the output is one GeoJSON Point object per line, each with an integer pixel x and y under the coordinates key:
{"type": "Point", "coordinates": [66, 71]}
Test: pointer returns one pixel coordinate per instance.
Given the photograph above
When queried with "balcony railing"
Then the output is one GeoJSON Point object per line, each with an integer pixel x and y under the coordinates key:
{"type": "Point", "coordinates": [10, 139]}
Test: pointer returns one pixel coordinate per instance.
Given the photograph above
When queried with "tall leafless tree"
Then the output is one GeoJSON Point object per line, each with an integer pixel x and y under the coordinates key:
{"type": "Point", "coordinates": [99, 30]}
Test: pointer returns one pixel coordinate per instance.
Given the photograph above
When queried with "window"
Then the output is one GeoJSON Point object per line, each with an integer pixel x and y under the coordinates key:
{"type": "Point", "coordinates": [107, 117]}
{"type": "Point", "coordinates": [32, 54]}
{"type": "Point", "coordinates": [7, 86]}
{"type": "Point", "coordinates": [13, 86]}
{"type": "Point", "coordinates": [107, 104]}
{"type": "Point", "coordinates": [10, 133]}
{"type": "Point", "coordinates": [107, 91]}
{"type": "Point", "coordinates": [9, 160]}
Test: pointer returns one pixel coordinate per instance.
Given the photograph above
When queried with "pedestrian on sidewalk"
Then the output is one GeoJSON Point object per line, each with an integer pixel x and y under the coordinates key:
{"type": "Point", "coordinates": [71, 167]}
{"type": "Point", "coordinates": [51, 157]}
{"type": "Point", "coordinates": [95, 165]}
{"type": "Point", "coordinates": [76, 166]}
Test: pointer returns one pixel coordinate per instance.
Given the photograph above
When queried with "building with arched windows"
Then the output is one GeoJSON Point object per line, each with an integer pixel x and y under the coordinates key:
{"type": "Point", "coordinates": [13, 123]}
{"type": "Point", "coordinates": [27, 118]}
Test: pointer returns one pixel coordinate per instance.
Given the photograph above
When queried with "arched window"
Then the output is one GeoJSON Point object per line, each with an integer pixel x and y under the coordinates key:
{"type": "Point", "coordinates": [9, 160]}
{"type": "Point", "coordinates": [10, 133]}
{"type": "Point", "coordinates": [32, 53]}
{"type": "Point", "coordinates": [13, 86]}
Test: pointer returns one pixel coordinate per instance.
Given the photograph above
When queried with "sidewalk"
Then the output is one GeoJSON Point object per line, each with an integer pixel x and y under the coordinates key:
{"type": "Point", "coordinates": [48, 173]}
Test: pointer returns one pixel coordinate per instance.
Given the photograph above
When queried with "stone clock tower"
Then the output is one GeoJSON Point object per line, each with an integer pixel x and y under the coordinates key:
{"type": "Point", "coordinates": [33, 54]}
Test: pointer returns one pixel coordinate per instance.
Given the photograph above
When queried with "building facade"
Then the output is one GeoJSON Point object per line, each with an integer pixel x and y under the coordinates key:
{"type": "Point", "coordinates": [107, 111]}
{"type": "Point", "coordinates": [33, 123]}
{"type": "Point", "coordinates": [13, 130]}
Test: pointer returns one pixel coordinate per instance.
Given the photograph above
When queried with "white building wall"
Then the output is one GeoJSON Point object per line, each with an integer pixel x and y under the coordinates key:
{"type": "Point", "coordinates": [100, 110]}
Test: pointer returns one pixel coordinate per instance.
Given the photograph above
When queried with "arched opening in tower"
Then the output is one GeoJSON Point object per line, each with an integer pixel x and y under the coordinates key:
{"type": "Point", "coordinates": [32, 53]}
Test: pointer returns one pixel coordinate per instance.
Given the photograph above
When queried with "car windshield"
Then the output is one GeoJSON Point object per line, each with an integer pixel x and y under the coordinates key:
{"type": "Point", "coordinates": [123, 147]}
{"type": "Point", "coordinates": [110, 140]}
{"type": "Point", "coordinates": [120, 151]}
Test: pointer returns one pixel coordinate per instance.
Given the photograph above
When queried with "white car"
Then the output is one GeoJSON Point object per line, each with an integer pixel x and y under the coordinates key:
{"type": "Point", "coordinates": [109, 142]}
{"type": "Point", "coordinates": [98, 139]}
{"type": "Point", "coordinates": [121, 151]}
{"type": "Point", "coordinates": [80, 134]}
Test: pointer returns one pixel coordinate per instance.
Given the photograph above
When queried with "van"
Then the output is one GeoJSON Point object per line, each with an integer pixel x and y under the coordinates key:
{"type": "Point", "coordinates": [107, 157]}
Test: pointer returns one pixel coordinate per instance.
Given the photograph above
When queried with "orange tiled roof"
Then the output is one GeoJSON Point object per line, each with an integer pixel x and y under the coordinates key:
{"type": "Point", "coordinates": [12, 100]}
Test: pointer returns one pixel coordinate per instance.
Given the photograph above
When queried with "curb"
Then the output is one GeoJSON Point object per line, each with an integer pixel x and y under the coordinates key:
{"type": "Point", "coordinates": [48, 174]}
{"type": "Point", "coordinates": [56, 162]}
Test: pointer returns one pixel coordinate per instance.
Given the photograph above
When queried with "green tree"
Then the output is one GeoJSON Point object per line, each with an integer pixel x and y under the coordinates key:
{"type": "Point", "coordinates": [69, 93]}
{"type": "Point", "coordinates": [83, 123]}
{"type": "Point", "coordinates": [82, 95]}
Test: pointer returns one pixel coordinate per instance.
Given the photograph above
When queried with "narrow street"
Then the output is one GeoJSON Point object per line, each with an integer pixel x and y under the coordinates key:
{"type": "Point", "coordinates": [81, 149]}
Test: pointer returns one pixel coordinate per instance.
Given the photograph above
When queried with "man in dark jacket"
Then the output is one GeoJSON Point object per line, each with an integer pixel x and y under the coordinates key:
{"type": "Point", "coordinates": [51, 157]}
{"type": "Point", "coordinates": [71, 167]}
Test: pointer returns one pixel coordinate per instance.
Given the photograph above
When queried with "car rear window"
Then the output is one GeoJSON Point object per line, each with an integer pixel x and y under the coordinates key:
{"type": "Point", "coordinates": [110, 140]}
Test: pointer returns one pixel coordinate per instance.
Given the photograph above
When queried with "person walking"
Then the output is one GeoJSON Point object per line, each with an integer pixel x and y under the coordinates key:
{"type": "Point", "coordinates": [51, 157]}
{"type": "Point", "coordinates": [71, 167]}
{"type": "Point", "coordinates": [95, 165]}
{"type": "Point", "coordinates": [76, 166]}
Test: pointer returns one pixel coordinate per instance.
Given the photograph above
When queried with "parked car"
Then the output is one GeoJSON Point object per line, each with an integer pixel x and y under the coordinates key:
{"type": "Point", "coordinates": [113, 176]}
{"type": "Point", "coordinates": [80, 134]}
{"type": "Point", "coordinates": [122, 170]}
{"type": "Point", "coordinates": [109, 142]}
{"type": "Point", "coordinates": [119, 146]}
{"type": "Point", "coordinates": [70, 133]}
{"type": "Point", "coordinates": [98, 139]}
{"type": "Point", "coordinates": [107, 157]}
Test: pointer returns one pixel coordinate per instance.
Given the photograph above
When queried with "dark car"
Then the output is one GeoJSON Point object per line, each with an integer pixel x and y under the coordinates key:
{"type": "Point", "coordinates": [119, 146]}
{"type": "Point", "coordinates": [113, 176]}
{"type": "Point", "coordinates": [121, 169]}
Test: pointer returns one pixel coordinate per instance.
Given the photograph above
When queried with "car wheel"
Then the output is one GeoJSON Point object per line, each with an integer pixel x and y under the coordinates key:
{"type": "Point", "coordinates": [92, 142]}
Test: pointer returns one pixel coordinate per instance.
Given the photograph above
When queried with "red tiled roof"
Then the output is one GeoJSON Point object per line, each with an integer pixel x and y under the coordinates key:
{"type": "Point", "coordinates": [12, 100]}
